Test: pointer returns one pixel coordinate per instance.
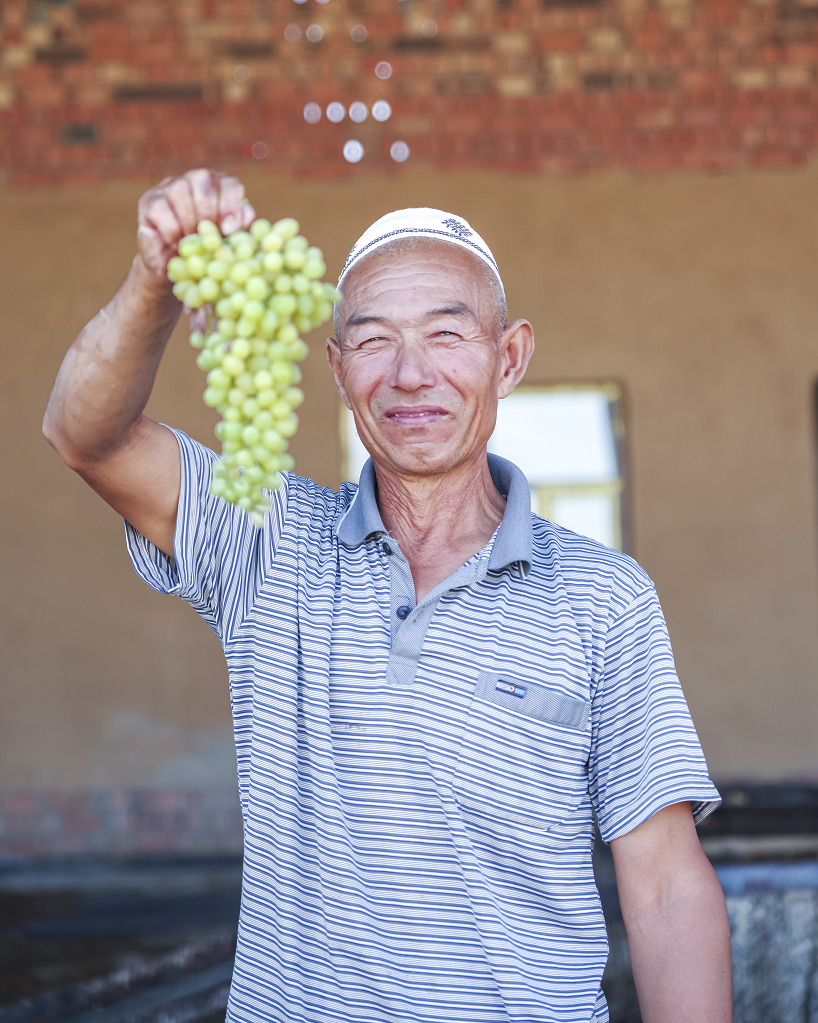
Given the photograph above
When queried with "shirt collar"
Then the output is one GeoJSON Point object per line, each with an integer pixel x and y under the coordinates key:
{"type": "Point", "coordinates": [362, 518]}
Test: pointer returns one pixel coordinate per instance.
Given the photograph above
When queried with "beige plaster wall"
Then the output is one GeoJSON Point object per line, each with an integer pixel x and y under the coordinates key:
{"type": "Point", "coordinates": [697, 293]}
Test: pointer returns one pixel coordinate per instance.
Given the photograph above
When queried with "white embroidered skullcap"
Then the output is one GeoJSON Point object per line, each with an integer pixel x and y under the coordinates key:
{"type": "Point", "coordinates": [420, 222]}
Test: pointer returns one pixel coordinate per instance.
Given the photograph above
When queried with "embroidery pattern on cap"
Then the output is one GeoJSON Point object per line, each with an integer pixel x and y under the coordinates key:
{"type": "Point", "coordinates": [458, 227]}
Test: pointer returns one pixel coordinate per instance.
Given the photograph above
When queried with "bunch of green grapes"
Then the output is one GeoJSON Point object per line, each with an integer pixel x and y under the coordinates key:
{"type": "Point", "coordinates": [257, 291]}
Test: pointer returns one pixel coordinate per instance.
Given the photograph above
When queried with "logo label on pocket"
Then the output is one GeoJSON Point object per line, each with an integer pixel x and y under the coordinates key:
{"type": "Point", "coordinates": [512, 688]}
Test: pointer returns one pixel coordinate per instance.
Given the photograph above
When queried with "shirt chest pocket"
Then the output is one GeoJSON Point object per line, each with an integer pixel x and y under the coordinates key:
{"type": "Point", "coordinates": [524, 753]}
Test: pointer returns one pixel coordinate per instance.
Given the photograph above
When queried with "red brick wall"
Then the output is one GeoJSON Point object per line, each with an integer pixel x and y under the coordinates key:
{"type": "Point", "coordinates": [97, 88]}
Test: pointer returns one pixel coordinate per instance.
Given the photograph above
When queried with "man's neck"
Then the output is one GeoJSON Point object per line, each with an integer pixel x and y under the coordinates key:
{"type": "Point", "coordinates": [440, 521]}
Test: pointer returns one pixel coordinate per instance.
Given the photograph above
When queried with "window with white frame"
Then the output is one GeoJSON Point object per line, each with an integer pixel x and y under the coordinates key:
{"type": "Point", "coordinates": [568, 440]}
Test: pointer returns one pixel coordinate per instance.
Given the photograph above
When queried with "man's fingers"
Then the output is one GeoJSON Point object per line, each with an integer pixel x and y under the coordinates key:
{"type": "Point", "coordinates": [150, 246]}
{"type": "Point", "coordinates": [230, 205]}
{"type": "Point", "coordinates": [248, 214]}
{"type": "Point", "coordinates": [180, 197]}
{"type": "Point", "coordinates": [205, 190]}
{"type": "Point", "coordinates": [230, 222]}
{"type": "Point", "coordinates": [161, 216]}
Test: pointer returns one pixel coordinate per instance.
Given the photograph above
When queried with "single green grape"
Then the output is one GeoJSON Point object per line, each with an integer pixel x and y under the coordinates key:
{"type": "Point", "coordinates": [287, 427]}
{"type": "Point", "coordinates": [283, 305]}
{"type": "Point", "coordinates": [241, 348]}
{"type": "Point", "coordinates": [208, 289]}
{"type": "Point", "coordinates": [257, 288]}
{"type": "Point", "coordinates": [218, 378]}
{"type": "Point", "coordinates": [190, 245]}
{"type": "Point", "coordinates": [272, 264]}
{"type": "Point", "coordinates": [245, 327]}
{"type": "Point", "coordinates": [287, 336]}
{"type": "Point", "coordinates": [294, 259]}
{"type": "Point", "coordinates": [232, 364]}
{"type": "Point", "coordinates": [213, 396]}
{"type": "Point", "coordinates": [217, 270]}
{"type": "Point", "coordinates": [238, 300]}
{"type": "Point", "coordinates": [207, 228]}
{"type": "Point", "coordinates": [245, 250]}
{"type": "Point", "coordinates": [260, 228]}
{"type": "Point", "coordinates": [286, 228]}
{"type": "Point", "coordinates": [239, 273]}
{"type": "Point", "coordinates": [254, 310]}
{"type": "Point", "coordinates": [177, 269]}
{"type": "Point", "coordinates": [196, 267]}
{"type": "Point", "coordinates": [206, 360]}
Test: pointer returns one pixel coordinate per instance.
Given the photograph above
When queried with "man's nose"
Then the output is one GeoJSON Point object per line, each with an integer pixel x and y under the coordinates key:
{"type": "Point", "coordinates": [412, 367]}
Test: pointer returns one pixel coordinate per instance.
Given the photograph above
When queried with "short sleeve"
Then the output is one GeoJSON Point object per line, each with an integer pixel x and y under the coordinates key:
{"type": "Point", "coordinates": [645, 754]}
{"type": "Point", "coordinates": [219, 557]}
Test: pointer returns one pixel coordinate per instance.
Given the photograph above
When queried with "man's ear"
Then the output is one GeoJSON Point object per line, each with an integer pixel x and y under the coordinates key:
{"type": "Point", "coordinates": [334, 360]}
{"type": "Point", "coordinates": [516, 349]}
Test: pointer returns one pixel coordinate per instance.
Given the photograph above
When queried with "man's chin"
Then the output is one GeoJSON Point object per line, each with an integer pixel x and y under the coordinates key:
{"type": "Point", "coordinates": [418, 461]}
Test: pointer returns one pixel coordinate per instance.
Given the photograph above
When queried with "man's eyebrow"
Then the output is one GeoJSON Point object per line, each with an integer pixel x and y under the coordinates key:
{"type": "Point", "coordinates": [456, 309]}
{"type": "Point", "coordinates": [357, 321]}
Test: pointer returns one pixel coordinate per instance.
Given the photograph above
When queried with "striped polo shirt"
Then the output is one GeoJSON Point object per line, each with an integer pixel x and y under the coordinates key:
{"type": "Point", "coordinates": [418, 780]}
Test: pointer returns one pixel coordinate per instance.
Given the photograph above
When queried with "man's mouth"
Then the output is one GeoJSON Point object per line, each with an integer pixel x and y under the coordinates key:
{"type": "Point", "coordinates": [415, 415]}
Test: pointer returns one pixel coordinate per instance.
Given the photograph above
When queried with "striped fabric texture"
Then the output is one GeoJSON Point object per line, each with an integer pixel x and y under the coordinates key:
{"type": "Point", "coordinates": [418, 781]}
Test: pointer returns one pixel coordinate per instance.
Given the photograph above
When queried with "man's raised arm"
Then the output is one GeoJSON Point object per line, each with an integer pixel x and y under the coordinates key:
{"type": "Point", "coordinates": [95, 416]}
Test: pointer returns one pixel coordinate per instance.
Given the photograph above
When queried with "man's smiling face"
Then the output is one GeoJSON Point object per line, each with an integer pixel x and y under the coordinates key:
{"type": "Point", "coordinates": [420, 358]}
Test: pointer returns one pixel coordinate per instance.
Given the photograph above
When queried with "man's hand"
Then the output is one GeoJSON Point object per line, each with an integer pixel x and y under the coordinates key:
{"type": "Point", "coordinates": [175, 206]}
{"type": "Point", "coordinates": [676, 919]}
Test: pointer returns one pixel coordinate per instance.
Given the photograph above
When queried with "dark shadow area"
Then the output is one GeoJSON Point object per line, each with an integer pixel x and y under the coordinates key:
{"type": "Point", "coordinates": [117, 939]}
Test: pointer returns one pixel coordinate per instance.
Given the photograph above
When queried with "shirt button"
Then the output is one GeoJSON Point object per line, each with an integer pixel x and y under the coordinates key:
{"type": "Point", "coordinates": [403, 611]}
{"type": "Point", "coordinates": [386, 548]}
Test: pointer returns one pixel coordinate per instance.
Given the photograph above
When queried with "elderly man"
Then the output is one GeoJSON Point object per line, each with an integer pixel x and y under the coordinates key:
{"type": "Point", "coordinates": [433, 690]}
